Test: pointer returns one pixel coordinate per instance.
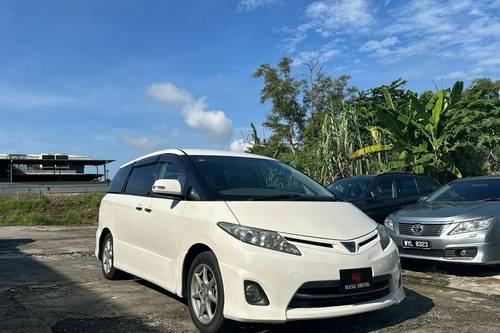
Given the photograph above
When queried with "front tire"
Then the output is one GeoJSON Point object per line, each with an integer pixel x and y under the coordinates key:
{"type": "Point", "coordinates": [205, 294]}
{"type": "Point", "coordinates": [107, 261]}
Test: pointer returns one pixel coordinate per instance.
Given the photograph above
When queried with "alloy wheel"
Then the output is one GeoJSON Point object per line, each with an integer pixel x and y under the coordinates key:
{"type": "Point", "coordinates": [107, 256]}
{"type": "Point", "coordinates": [204, 293]}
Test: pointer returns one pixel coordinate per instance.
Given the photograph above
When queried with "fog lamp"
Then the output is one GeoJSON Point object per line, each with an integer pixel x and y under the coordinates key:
{"type": "Point", "coordinates": [254, 294]}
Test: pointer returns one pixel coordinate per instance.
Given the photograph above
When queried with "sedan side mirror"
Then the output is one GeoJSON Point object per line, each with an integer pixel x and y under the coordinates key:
{"type": "Point", "coordinates": [167, 187]}
{"type": "Point", "coordinates": [371, 195]}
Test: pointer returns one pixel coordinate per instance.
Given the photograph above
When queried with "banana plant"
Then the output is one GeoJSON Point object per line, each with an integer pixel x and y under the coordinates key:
{"type": "Point", "coordinates": [418, 134]}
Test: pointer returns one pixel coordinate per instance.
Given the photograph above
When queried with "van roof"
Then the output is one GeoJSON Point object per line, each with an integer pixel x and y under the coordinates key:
{"type": "Point", "coordinates": [204, 152]}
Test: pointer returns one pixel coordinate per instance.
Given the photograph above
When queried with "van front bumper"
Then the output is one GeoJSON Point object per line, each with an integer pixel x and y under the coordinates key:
{"type": "Point", "coordinates": [281, 275]}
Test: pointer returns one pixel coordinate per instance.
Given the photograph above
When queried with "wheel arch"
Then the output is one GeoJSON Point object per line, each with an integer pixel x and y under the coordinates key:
{"type": "Point", "coordinates": [193, 251]}
{"type": "Point", "coordinates": [104, 232]}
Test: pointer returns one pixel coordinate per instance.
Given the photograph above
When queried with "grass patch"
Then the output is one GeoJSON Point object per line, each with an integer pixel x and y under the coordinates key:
{"type": "Point", "coordinates": [78, 209]}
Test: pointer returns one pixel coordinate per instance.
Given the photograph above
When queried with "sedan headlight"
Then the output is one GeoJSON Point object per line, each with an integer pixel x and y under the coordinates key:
{"type": "Point", "coordinates": [389, 223]}
{"type": "Point", "coordinates": [385, 240]}
{"type": "Point", "coordinates": [471, 226]}
{"type": "Point", "coordinates": [259, 237]}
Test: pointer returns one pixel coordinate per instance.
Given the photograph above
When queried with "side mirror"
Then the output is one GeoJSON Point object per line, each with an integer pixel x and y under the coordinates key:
{"type": "Point", "coordinates": [422, 199]}
{"type": "Point", "coordinates": [371, 195]}
{"type": "Point", "coordinates": [170, 187]}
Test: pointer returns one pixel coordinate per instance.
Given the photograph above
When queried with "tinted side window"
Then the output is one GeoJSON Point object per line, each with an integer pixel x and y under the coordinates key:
{"type": "Point", "coordinates": [383, 188]}
{"type": "Point", "coordinates": [141, 180]}
{"type": "Point", "coordinates": [172, 170]}
{"type": "Point", "coordinates": [119, 180]}
{"type": "Point", "coordinates": [407, 186]}
{"type": "Point", "coordinates": [427, 185]}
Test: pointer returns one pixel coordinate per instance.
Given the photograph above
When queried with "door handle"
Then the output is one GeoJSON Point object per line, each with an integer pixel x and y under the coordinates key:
{"type": "Point", "coordinates": [139, 208]}
{"type": "Point", "coordinates": [147, 210]}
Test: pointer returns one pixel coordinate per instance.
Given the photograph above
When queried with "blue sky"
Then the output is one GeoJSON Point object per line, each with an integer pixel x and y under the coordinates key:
{"type": "Point", "coordinates": [116, 79]}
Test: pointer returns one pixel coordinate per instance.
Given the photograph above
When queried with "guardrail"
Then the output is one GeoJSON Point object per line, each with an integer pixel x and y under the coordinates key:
{"type": "Point", "coordinates": [53, 188]}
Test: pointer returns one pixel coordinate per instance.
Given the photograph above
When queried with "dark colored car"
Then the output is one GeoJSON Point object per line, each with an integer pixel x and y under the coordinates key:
{"type": "Point", "coordinates": [378, 196]}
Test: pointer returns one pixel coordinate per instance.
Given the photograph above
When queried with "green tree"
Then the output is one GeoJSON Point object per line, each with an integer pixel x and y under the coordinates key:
{"type": "Point", "coordinates": [475, 130]}
{"type": "Point", "coordinates": [287, 117]}
{"type": "Point", "coordinates": [323, 94]}
{"type": "Point", "coordinates": [489, 89]}
{"type": "Point", "coordinates": [419, 134]}
{"type": "Point", "coordinates": [369, 100]}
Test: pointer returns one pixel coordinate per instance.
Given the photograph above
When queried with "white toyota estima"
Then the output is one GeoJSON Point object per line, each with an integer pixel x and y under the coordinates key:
{"type": "Point", "coordinates": [244, 237]}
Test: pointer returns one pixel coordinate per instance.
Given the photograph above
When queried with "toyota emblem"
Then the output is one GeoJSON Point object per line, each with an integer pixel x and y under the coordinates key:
{"type": "Point", "coordinates": [417, 229]}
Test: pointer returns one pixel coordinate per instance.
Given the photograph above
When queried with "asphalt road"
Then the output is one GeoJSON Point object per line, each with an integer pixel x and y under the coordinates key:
{"type": "Point", "coordinates": [51, 282]}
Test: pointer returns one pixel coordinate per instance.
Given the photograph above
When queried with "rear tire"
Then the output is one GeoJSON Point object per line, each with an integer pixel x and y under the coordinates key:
{"type": "Point", "coordinates": [107, 259]}
{"type": "Point", "coordinates": [205, 294]}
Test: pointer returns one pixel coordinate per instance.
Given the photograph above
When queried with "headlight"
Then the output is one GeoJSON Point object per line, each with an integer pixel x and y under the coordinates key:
{"type": "Point", "coordinates": [389, 223]}
{"type": "Point", "coordinates": [259, 237]}
{"type": "Point", "coordinates": [470, 226]}
{"type": "Point", "coordinates": [384, 236]}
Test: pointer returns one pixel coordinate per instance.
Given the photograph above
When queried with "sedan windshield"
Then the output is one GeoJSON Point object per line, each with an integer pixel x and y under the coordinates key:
{"type": "Point", "coordinates": [243, 178]}
{"type": "Point", "coordinates": [468, 190]}
{"type": "Point", "coordinates": [350, 188]}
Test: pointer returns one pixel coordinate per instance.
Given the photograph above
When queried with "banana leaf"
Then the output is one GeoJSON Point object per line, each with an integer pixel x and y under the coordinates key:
{"type": "Point", "coordinates": [370, 150]}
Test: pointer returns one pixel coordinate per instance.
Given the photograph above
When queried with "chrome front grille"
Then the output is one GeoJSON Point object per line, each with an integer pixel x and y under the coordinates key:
{"type": "Point", "coordinates": [420, 229]}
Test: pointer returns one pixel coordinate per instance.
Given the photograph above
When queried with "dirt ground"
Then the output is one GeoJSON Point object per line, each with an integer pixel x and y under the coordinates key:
{"type": "Point", "coordinates": [50, 281]}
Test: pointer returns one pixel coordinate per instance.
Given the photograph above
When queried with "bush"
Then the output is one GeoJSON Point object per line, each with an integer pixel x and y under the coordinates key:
{"type": "Point", "coordinates": [79, 209]}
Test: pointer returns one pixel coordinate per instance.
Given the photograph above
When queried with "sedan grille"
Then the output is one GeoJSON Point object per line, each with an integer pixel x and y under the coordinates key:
{"type": "Point", "coordinates": [420, 229]}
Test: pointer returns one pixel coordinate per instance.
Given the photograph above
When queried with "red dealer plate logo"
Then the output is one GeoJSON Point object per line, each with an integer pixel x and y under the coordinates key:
{"type": "Point", "coordinates": [355, 280]}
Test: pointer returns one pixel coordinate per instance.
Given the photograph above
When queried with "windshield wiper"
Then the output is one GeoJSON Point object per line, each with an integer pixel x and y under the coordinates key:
{"type": "Point", "coordinates": [492, 199]}
{"type": "Point", "coordinates": [295, 197]}
{"type": "Point", "coordinates": [276, 197]}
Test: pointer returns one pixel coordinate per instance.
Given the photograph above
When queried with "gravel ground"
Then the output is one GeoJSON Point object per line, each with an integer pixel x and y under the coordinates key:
{"type": "Point", "coordinates": [51, 282]}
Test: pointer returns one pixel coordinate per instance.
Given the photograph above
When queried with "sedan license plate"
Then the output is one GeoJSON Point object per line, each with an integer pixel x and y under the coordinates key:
{"type": "Point", "coordinates": [416, 244]}
{"type": "Point", "coordinates": [354, 280]}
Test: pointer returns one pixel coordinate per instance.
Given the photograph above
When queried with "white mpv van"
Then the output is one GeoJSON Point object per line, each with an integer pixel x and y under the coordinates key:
{"type": "Point", "coordinates": [244, 237]}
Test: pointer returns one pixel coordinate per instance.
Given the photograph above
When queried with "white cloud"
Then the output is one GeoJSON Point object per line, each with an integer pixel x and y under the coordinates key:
{"type": "Point", "coordinates": [137, 142]}
{"type": "Point", "coordinates": [462, 36]}
{"type": "Point", "coordinates": [240, 145]}
{"type": "Point", "coordinates": [212, 123]}
{"type": "Point", "coordinates": [322, 55]}
{"type": "Point", "coordinates": [463, 33]}
{"type": "Point", "coordinates": [462, 29]}
{"type": "Point", "coordinates": [169, 93]}
{"type": "Point", "coordinates": [328, 16]}
{"type": "Point", "coordinates": [249, 5]}
{"type": "Point", "coordinates": [379, 48]}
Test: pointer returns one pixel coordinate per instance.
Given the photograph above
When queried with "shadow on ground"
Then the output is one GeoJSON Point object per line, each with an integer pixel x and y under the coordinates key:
{"type": "Point", "coordinates": [54, 293]}
{"type": "Point", "coordinates": [36, 298]}
{"type": "Point", "coordinates": [458, 269]}
{"type": "Point", "coordinates": [413, 306]}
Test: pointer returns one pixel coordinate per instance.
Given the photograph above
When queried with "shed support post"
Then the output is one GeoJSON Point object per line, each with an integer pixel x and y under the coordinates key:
{"type": "Point", "coordinates": [10, 172]}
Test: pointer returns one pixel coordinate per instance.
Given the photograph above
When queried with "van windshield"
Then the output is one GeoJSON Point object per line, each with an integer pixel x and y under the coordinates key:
{"type": "Point", "coordinates": [243, 178]}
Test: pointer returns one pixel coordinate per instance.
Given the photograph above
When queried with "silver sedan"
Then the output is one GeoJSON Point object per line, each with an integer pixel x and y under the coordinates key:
{"type": "Point", "coordinates": [460, 222]}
